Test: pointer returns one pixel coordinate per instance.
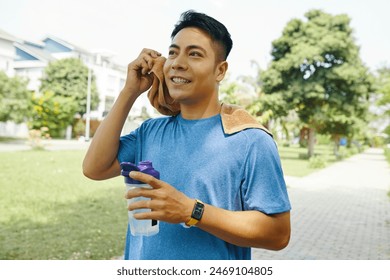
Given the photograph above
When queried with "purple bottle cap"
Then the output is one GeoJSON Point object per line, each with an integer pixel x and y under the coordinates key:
{"type": "Point", "coordinates": [143, 166]}
{"type": "Point", "coordinates": [147, 168]}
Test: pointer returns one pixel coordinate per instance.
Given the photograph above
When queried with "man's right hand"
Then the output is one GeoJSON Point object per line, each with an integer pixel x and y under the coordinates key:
{"type": "Point", "coordinates": [139, 79]}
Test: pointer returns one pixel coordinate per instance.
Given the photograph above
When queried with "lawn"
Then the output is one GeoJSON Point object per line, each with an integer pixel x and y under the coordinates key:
{"type": "Point", "coordinates": [49, 210]}
{"type": "Point", "coordinates": [294, 160]}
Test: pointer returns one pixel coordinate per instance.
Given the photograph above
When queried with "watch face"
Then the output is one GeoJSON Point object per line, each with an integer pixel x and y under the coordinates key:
{"type": "Point", "coordinates": [198, 211]}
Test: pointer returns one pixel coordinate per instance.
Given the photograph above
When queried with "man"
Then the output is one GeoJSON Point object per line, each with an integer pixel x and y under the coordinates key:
{"type": "Point", "coordinates": [234, 182]}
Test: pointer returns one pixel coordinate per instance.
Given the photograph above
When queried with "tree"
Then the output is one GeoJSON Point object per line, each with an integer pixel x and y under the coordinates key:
{"type": "Point", "coordinates": [383, 101]}
{"type": "Point", "coordinates": [69, 78]}
{"type": "Point", "coordinates": [316, 71]}
{"type": "Point", "coordinates": [15, 99]}
{"type": "Point", "coordinates": [55, 112]}
{"type": "Point", "coordinates": [384, 88]}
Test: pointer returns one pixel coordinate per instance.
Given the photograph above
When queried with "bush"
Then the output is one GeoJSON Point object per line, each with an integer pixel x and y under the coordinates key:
{"type": "Point", "coordinates": [79, 128]}
{"type": "Point", "coordinates": [35, 137]}
{"type": "Point", "coordinates": [317, 162]}
{"type": "Point", "coordinates": [53, 112]}
{"type": "Point", "coordinates": [387, 154]}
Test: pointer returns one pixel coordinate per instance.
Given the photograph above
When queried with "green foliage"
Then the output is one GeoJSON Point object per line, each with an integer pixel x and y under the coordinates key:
{"type": "Point", "coordinates": [377, 141]}
{"type": "Point", "coordinates": [79, 128]}
{"type": "Point", "coordinates": [387, 154]}
{"type": "Point", "coordinates": [387, 131]}
{"type": "Point", "coordinates": [52, 111]}
{"type": "Point", "coordinates": [69, 78]}
{"type": "Point", "coordinates": [316, 71]}
{"type": "Point", "coordinates": [383, 84]}
{"type": "Point", "coordinates": [14, 99]}
{"type": "Point", "coordinates": [228, 93]}
{"type": "Point", "coordinates": [317, 162]}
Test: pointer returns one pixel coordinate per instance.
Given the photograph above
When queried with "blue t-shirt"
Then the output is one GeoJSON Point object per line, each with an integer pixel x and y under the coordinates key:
{"type": "Point", "coordinates": [236, 172]}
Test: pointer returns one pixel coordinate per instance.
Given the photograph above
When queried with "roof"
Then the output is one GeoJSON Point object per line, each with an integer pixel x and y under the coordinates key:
{"type": "Point", "coordinates": [66, 44]}
{"type": "Point", "coordinates": [6, 36]}
{"type": "Point", "coordinates": [40, 54]}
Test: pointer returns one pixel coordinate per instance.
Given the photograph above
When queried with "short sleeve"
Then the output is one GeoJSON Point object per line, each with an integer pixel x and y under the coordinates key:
{"type": "Point", "coordinates": [263, 188]}
{"type": "Point", "coordinates": [127, 147]}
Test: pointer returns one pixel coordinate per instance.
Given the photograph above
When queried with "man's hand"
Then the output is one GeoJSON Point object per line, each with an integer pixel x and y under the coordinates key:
{"type": "Point", "coordinates": [139, 79]}
{"type": "Point", "coordinates": [167, 203]}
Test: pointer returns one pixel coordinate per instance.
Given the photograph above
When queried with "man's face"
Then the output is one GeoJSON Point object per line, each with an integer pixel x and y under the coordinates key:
{"type": "Point", "coordinates": [191, 70]}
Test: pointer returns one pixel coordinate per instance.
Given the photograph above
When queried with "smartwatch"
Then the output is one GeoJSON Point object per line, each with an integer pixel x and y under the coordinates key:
{"type": "Point", "coordinates": [197, 213]}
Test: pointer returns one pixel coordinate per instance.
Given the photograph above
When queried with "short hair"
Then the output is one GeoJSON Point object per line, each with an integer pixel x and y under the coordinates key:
{"type": "Point", "coordinates": [216, 30]}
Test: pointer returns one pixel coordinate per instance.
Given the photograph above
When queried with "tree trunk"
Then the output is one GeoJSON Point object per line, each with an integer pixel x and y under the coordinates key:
{"type": "Point", "coordinates": [311, 142]}
{"type": "Point", "coordinates": [336, 139]}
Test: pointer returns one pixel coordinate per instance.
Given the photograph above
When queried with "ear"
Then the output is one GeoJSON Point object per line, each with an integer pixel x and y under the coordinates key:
{"type": "Point", "coordinates": [221, 70]}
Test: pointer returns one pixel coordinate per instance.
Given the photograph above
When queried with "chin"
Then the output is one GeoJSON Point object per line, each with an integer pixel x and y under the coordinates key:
{"type": "Point", "coordinates": [176, 95]}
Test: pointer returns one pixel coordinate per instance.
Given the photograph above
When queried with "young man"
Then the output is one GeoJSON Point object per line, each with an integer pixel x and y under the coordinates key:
{"type": "Point", "coordinates": [235, 178]}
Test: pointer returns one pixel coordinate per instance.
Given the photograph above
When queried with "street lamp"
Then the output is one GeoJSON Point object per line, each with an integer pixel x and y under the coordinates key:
{"type": "Point", "coordinates": [88, 113]}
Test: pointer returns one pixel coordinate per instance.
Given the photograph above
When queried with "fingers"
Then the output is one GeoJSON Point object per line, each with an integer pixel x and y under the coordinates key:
{"type": "Point", "coordinates": [147, 58]}
{"type": "Point", "coordinates": [151, 52]}
{"type": "Point", "coordinates": [147, 179]}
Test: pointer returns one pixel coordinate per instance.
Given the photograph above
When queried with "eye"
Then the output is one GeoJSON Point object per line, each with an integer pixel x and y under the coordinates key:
{"type": "Point", "coordinates": [195, 53]}
{"type": "Point", "coordinates": [171, 53]}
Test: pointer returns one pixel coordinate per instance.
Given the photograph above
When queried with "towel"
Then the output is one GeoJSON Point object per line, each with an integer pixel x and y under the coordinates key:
{"type": "Point", "coordinates": [158, 94]}
{"type": "Point", "coordinates": [234, 118]}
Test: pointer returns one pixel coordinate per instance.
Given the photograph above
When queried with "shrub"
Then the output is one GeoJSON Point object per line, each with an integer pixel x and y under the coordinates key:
{"type": "Point", "coordinates": [317, 162]}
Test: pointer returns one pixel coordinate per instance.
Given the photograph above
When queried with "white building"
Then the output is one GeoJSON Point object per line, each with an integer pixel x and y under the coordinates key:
{"type": "Point", "coordinates": [29, 59]}
{"type": "Point", "coordinates": [7, 52]}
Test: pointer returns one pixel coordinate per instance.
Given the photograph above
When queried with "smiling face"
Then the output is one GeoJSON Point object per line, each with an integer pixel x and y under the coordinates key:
{"type": "Point", "coordinates": [192, 71]}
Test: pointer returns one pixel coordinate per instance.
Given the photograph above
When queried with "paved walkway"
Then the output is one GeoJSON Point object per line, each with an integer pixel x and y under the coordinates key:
{"type": "Point", "coordinates": [340, 213]}
{"type": "Point", "coordinates": [54, 144]}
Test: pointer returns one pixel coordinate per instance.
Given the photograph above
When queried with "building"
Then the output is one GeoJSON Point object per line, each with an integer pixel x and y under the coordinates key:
{"type": "Point", "coordinates": [29, 59]}
{"type": "Point", "coordinates": [7, 52]}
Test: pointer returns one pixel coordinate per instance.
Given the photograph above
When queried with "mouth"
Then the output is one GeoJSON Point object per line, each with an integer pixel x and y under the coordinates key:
{"type": "Point", "coordinates": [180, 81]}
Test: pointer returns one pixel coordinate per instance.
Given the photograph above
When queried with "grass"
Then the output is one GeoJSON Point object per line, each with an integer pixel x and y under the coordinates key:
{"type": "Point", "coordinates": [51, 211]}
{"type": "Point", "coordinates": [295, 163]}
{"type": "Point", "coordinates": [387, 155]}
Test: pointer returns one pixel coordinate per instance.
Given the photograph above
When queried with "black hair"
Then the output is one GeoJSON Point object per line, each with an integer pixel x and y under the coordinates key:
{"type": "Point", "coordinates": [216, 30]}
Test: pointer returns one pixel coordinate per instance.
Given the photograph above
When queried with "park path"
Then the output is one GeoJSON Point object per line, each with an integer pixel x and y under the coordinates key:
{"type": "Point", "coordinates": [341, 212]}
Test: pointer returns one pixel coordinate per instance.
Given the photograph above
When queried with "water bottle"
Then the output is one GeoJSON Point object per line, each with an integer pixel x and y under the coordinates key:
{"type": "Point", "coordinates": [139, 227]}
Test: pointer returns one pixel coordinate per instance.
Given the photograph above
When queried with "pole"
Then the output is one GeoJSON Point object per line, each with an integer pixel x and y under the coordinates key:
{"type": "Point", "coordinates": [88, 113]}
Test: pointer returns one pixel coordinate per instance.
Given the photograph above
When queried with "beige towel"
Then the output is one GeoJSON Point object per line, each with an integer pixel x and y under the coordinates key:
{"type": "Point", "coordinates": [158, 94]}
{"type": "Point", "coordinates": [234, 118]}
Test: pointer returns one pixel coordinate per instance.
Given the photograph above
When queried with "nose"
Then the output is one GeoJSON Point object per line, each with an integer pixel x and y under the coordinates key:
{"type": "Point", "coordinates": [179, 63]}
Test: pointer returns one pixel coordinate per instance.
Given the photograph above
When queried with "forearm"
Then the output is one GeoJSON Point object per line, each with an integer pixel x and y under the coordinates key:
{"type": "Point", "coordinates": [247, 228]}
{"type": "Point", "coordinates": [100, 159]}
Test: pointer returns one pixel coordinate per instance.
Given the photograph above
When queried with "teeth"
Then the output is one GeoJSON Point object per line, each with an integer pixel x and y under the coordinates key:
{"type": "Point", "coordinates": [180, 80]}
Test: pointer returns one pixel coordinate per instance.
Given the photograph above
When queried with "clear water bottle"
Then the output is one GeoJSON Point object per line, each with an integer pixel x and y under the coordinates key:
{"type": "Point", "coordinates": [139, 227]}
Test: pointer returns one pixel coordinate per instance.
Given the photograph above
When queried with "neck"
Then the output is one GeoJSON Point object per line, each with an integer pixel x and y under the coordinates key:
{"type": "Point", "coordinates": [200, 110]}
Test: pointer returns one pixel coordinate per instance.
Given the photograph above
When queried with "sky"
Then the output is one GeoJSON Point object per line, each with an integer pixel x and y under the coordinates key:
{"type": "Point", "coordinates": [125, 27]}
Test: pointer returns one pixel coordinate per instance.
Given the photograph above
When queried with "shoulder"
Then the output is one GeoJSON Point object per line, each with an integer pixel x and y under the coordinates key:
{"type": "Point", "coordinates": [259, 142]}
{"type": "Point", "coordinates": [156, 122]}
{"type": "Point", "coordinates": [257, 135]}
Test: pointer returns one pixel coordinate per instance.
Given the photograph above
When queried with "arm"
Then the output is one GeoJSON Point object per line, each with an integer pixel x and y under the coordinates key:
{"type": "Point", "coordinates": [247, 228]}
{"type": "Point", "coordinates": [100, 161]}
{"type": "Point", "coordinates": [242, 228]}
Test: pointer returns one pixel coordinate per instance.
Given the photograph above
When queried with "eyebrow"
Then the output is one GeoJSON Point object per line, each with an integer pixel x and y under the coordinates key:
{"type": "Point", "coordinates": [188, 47]}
